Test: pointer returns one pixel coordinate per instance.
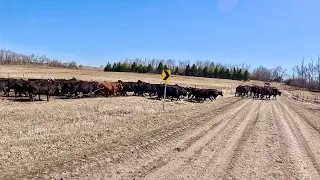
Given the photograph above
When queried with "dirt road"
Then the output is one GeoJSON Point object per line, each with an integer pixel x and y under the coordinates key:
{"type": "Point", "coordinates": [232, 138]}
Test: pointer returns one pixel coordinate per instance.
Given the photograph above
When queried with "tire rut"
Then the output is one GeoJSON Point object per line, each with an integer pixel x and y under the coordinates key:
{"type": "Point", "coordinates": [304, 115]}
{"type": "Point", "coordinates": [186, 142]}
{"type": "Point", "coordinates": [123, 153]}
{"type": "Point", "coordinates": [300, 140]}
{"type": "Point", "coordinates": [240, 145]}
{"type": "Point", "coordinates": [198, 152]}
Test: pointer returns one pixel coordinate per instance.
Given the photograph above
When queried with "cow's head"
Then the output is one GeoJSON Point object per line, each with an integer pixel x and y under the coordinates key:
{"type": "Point", "coordinates": [220, 93]}
{"type": "Point", "coordinates": [120, 87]}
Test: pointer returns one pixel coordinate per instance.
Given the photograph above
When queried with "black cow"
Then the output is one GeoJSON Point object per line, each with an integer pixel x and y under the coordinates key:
{"type": "Point", "coordinates": [243, 90]}
{"type": "Point", "coordinates": [18, 85]}
{"type": "Point", "coordinates": [43, 87]}
{"type": "Point", "coordinates": [142, 88]}
{"type": "Point", "coordinates": [266, 92]}
{"type": "Point", "coordinates": [203, 94]}
{"type": "Point", "coordinates": [215, 93]}
{"type": "Point", "coordinates": [127, 87]}
{"type": "Point", "coordinates": [256, 90]}
{"type": "Point", "coordinates": [192, 92]}
{"type": "Point", "coordinates": [83, 87]}
{"type": "Point", "coordinates": [275, 92]}
{"type": "Point", "coordinates": [172, 92]}
{"type": "Point", "coordinates": [66, 86]}
{"type": "Point", "coordinates": [153, 89]}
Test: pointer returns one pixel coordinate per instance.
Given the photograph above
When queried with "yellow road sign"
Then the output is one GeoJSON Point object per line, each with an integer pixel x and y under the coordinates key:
{"type": "Point", "coordinates": [166, 74]}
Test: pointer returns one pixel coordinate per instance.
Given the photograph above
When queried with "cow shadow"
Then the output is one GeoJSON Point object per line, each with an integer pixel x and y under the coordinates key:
{"type": "Point", "coordinates": [20, 100]}
{"type": "Point", "coordinates": [153, 98]}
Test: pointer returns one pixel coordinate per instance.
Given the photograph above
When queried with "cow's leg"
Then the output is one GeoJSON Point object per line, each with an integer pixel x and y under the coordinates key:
{"type": "Point", "coordinates": [191, 97]}
{"type": "Point", "coordinates": [48, 97]}
{"type": "Point", "coordinates": [7, 91]}
{"type": "Point", "coordinates": [39, 97]}
{"type": "Point", "coordinates": [31, 97]}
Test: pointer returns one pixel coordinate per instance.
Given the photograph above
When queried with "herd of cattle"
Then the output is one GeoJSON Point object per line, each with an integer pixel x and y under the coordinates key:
{"type": "Point", "coordinates": [72, 88]}
{"type": "Point", "coordinates": [257, 91]}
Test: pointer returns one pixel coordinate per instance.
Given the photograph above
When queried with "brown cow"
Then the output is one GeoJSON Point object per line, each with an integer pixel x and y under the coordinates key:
{"type": "Point", "coordinates": [109, 88]}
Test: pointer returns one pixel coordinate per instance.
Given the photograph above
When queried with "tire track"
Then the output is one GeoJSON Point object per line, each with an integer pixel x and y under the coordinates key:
{"type": "Point", "coordinates": [301, 137]}
{"type": "Point", "coordinates": [188, 140]}
{"type": "Point", "coordinates": [288, 169]}
{"type": "Point", "coordinates": [220, 165]}
{"type": "Point", "coordinates": [122, 152]}
{"type": "Point", "coordinates": [258, 157]}
{"type": "Point", "coordinates": [196, 151]}
{"type": "Point", "coordinates": [303, 113]}
{"type": "Point", "coordinates": [300, 147]}
{"type": "Point", "coordinates": [240, 146]}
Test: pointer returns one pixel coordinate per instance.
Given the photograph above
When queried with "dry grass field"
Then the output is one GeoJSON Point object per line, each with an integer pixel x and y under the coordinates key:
{"type": "Point", "coordinates": [302, 95]}
{"type": "Point", "coordinates": [131, 138]}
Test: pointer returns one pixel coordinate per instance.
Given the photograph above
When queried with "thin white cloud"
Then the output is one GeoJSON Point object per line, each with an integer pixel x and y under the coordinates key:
{"type": "Point", "coordinates": [226, 5]}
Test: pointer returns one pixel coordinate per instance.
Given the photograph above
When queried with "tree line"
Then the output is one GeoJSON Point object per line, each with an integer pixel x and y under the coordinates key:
{"type": "Point", "coordinates": [262, 73]}
{"type": "Point", "coordinates": [8, 57]}
{"type": "Point", "coordinates": [208, 69]}
{"type": "Point", "coordinates": [306, 75]}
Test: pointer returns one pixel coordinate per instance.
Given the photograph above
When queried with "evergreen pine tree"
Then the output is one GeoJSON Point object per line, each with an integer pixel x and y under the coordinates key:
{"type": "Point", "coordinates": [246, 75]}
{"type": "Point", "coordinates": [133, 67]}
{"type": "Point", "coordinates": [240, 74]}
{"type": "Point", "coordinates": [150, 68]}
{"type": "Point", "coordinates": [234, 74]}
{"type": "Point", "coordinates": [227, 74]}
{"type": "Point", "coordinates": [200, 71]}
{"type": "Point", "coordinates": [140, 68]}
{"type": "Point", "coordinates": [210, 72]}
{"type": "Point", "coordinates": [160, 67]}
{"type": "Point", "coordinates": [221, 73]}
{"type": "Point", "coordinates": [114, 67]}
{"type": "Point", "coordinates": [216, 72]}
{"type": "Point", "coordinates": [165, 67]}
{"type": "Point", "coordinates": [120, 67]}
{"type": "Point", "coordinates": [187, 71]}
{"type": "Point", "coordinates": [205, 72]}
{"type": "Point", "coordinates": [144, 69]}
{"type": "Point", "coordinates": [194, 70]}
{"type": "Point", "coordinates": [108, 67]}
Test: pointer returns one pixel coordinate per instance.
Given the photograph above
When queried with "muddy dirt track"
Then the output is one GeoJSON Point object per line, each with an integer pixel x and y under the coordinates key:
{"type": "Point", "coordinates": [231, 138]}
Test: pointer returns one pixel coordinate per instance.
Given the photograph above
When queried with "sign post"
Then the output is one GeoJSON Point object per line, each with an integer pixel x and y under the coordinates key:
{"type": "Point", "coordinates": [166, 77]}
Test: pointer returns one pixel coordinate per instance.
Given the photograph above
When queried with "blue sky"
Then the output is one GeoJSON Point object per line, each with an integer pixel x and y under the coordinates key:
{"type": "Point", "coordinates": [93, 32]}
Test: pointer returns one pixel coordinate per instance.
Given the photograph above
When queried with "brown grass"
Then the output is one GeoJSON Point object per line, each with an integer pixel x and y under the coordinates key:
{"type": "Point", "coordinates": [39, 135]}
{"type": "Point", "coordinates": [303, 95]}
